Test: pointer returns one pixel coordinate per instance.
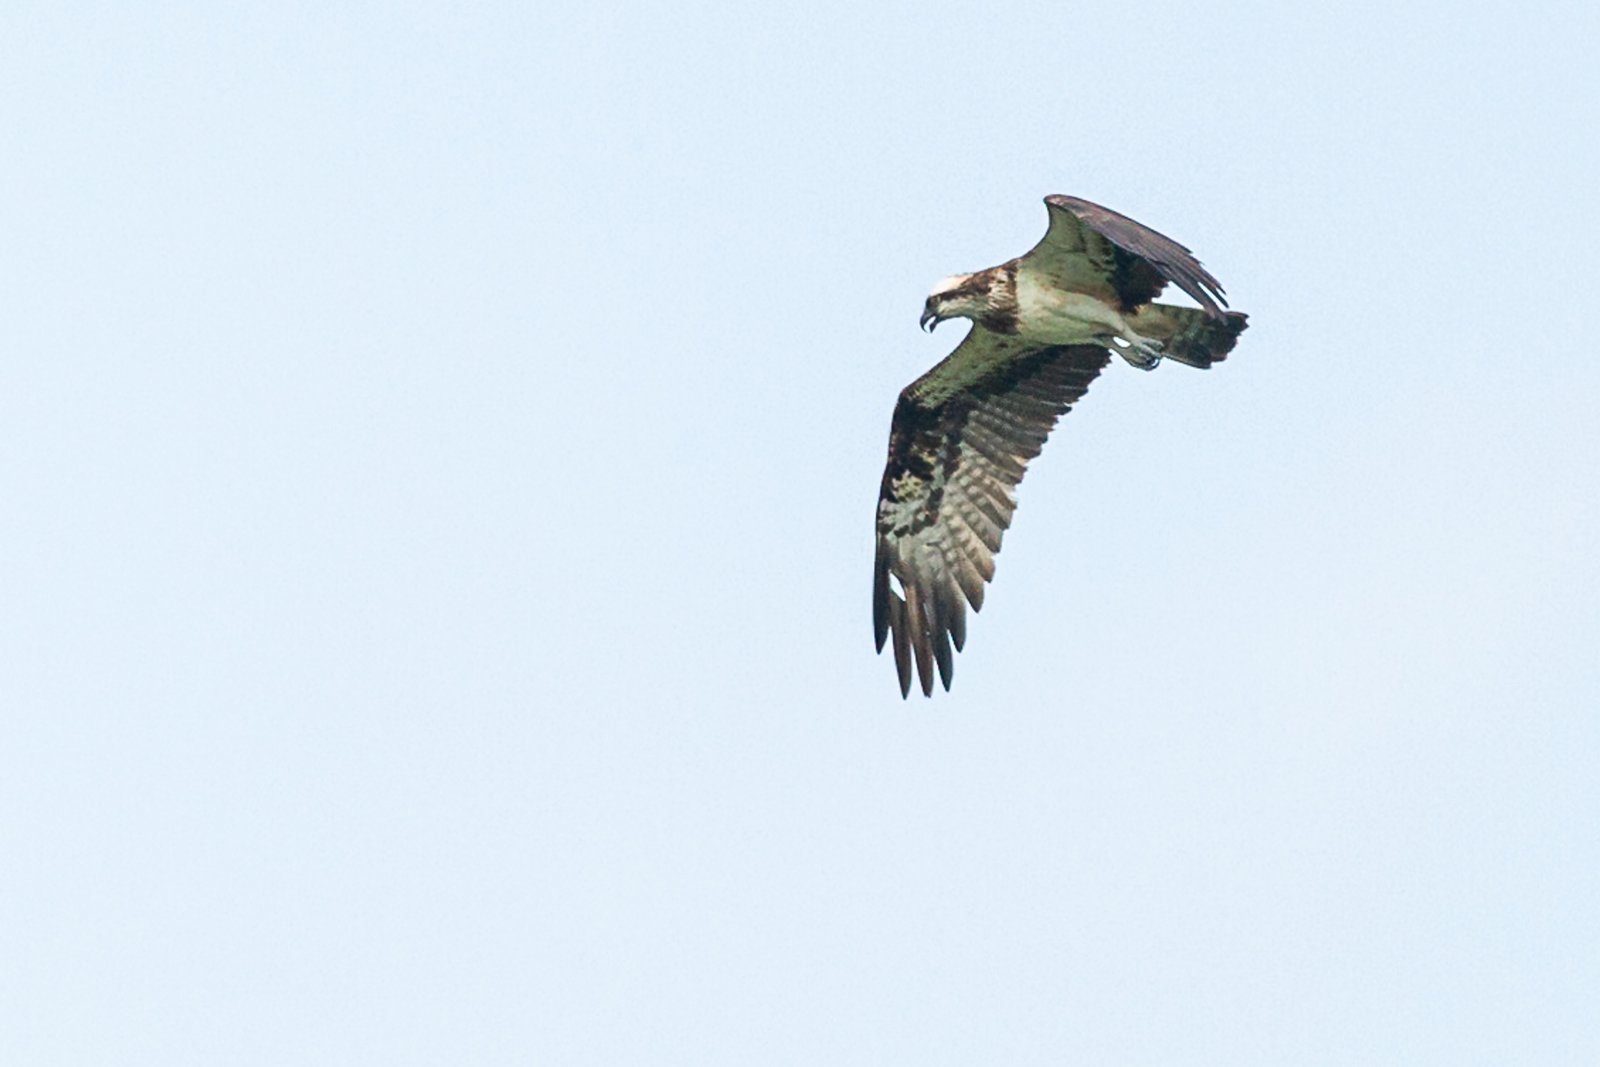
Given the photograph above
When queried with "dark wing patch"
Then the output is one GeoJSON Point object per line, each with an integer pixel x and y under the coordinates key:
{"type": "Point", "coordinates": [960, 442]}
{"type": "Point", "coordinates": [1096, 250]}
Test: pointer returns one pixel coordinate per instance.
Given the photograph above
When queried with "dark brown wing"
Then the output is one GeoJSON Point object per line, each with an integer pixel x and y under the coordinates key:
{"type": "Point", "coordinates": [1092, 249]}
{"type": "Point", "coordinates": [960, 442]}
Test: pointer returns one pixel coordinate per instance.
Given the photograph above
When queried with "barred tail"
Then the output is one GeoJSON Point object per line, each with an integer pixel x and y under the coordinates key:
{"type": "Point", "coordinates": [1189, 335]}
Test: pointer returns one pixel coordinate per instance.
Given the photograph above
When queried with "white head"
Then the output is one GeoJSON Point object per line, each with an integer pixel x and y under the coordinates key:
{"type": "Point", "coordinates": [956, 296]}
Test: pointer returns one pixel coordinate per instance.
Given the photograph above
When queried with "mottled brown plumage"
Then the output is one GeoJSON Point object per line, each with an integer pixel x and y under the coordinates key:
{"type": "Point", "coordinates": [1044, 325]}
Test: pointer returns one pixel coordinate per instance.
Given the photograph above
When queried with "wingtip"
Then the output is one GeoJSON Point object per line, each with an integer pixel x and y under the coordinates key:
{"type": "Point", "coordinates": [902, 647]}
{"type": "Point", "coordinates": [880, 595]}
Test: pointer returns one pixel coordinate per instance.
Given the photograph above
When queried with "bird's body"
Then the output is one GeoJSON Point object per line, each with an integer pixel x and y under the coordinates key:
{"type": "Point", "coordinates": [1043, 326]}
{"type": "Point", "coordinates": [1052, 316]}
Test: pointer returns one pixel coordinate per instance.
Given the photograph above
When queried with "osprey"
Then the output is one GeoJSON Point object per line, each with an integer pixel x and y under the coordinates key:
{"type": "Point", "coordinates": [1043, 325]}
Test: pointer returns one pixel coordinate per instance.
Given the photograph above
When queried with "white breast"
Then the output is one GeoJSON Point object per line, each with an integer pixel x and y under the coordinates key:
{"type": "Point", "coordinates": [1056, 316]}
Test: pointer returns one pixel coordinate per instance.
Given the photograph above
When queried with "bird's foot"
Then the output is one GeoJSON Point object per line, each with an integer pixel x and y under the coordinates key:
{"type": "Point", "coordinates": [1141, 352]}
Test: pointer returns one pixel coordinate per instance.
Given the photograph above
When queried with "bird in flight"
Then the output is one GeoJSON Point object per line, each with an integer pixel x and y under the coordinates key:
{"type": "Point", "coordinates": [1043, 326]}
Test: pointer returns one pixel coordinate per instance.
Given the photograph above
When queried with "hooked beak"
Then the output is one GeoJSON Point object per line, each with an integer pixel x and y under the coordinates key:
{"type": "Point", "coordinates": [929, 321]}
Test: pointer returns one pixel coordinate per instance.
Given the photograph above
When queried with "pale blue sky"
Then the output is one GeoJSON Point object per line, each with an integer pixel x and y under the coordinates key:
{"type": "Point", "coordinates": [440, 448]}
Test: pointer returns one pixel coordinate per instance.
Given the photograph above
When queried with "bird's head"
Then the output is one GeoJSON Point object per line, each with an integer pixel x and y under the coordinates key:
{"type": "Point", "coordinates": [958, 295]}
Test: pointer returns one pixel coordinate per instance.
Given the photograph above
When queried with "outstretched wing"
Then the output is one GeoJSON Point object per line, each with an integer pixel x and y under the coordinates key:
{"type": "Point", "coordinates": [961, 439]}
{"type": "Point", "coordinates": [1092, 249]}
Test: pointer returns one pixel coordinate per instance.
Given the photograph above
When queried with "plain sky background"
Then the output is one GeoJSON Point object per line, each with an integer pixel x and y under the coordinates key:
{"type": "Point", "coordinates": [438, 452]}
